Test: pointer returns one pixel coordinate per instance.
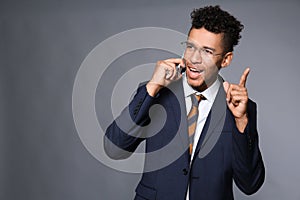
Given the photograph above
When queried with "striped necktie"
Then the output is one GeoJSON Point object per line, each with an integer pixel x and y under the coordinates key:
{"type": "Point", "coordinates": [192, 119]}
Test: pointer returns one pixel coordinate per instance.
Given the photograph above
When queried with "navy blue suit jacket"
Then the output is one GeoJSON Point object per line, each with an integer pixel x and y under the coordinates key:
{"type": "Point", "coordinates": [223, 154]}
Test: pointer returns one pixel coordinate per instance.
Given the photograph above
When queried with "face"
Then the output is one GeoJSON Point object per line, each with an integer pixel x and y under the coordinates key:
{"type": "Point", "coordinates": [204, 58]}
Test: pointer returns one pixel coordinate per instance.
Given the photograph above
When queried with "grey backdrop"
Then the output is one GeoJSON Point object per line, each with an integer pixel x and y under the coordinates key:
{"type": "Point", "coordinates": [42, 45]}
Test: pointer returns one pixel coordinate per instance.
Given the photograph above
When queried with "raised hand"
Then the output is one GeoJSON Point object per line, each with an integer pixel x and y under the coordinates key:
{"type": "Point", "coordinates": [237, 99]}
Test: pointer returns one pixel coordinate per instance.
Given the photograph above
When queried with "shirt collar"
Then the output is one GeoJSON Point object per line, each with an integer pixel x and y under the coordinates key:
{"type": "Point", "coordinates": [210, 93]}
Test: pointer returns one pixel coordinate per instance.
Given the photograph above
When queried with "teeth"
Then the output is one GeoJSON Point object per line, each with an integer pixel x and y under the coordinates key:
{"type": "Point", "coordinates": [194, 70]}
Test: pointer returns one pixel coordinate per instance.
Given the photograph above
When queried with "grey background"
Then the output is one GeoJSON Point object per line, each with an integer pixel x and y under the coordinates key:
{"type": "Point", "coordinates": [42, 45]}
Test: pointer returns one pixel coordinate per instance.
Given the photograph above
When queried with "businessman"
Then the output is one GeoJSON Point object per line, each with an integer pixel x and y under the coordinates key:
{"type": "Point", "coordinates": [209, 136]}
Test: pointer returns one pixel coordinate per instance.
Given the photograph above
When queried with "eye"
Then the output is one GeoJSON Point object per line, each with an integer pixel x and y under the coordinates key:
{"type": "Point", "coordinates": [208, 51]}
{"type": "Point", "coordinates": [190, 46]}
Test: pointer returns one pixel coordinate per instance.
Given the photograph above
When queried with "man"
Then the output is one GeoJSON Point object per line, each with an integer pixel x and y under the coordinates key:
{"type": "Point", "coordinates": [209, 137]}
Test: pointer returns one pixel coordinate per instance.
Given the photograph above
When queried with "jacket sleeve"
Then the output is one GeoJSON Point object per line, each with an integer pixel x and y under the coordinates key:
{"type": "Point", "coordinates": [125, 133]}
{"type": "Point", "coordinates": [248, 166]}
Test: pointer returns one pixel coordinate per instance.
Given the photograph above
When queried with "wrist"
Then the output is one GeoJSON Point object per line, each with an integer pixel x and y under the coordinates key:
{"type": "Point", "coordinates": [153, 88]}
{"type": "Point", "coordinates": [241, 123]}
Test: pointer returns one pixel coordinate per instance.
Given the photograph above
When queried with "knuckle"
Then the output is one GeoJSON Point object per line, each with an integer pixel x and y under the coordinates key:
{"type": "Point", "coordinates": [160, 62]}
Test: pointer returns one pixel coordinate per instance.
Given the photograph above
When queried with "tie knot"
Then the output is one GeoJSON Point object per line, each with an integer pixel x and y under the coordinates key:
{"type": "Point", "coordinates": [196, 99]}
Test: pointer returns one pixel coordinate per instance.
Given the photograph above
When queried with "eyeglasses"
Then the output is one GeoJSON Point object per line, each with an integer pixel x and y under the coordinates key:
{"type": "Point", "coordinates": [191, 48]}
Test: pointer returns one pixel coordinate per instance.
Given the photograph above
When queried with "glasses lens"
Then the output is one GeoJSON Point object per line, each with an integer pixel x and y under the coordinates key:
{"type": "Point", "coordinates": [203, 55]}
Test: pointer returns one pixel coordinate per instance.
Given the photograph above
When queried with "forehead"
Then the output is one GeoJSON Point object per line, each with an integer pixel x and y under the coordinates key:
{"type": "Point", "coordinates": [204, 38]}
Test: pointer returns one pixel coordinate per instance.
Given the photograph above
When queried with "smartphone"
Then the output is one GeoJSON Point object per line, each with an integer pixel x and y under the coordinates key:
{"type": "Point", "coordinates": [179, 69]}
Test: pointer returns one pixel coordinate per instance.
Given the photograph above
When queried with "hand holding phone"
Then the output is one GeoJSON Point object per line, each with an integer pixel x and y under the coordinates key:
{"type": "Point", "coordinates": [165, 72]}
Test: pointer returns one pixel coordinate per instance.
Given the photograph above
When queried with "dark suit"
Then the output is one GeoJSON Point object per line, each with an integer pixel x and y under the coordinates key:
{"type": "Point", "coordinates": [223, 153]}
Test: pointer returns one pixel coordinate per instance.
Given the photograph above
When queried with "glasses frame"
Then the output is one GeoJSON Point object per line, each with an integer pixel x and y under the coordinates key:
{"type": "Point", "coordinates": [208, 52]}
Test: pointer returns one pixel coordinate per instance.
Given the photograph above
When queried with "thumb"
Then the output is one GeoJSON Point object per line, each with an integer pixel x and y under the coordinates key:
{"type": "Point", "coordinates": [226, 86]}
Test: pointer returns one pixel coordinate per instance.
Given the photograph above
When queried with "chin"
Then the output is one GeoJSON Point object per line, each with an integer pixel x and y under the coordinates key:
{"type": "Point", "coordinates": [197, 84]}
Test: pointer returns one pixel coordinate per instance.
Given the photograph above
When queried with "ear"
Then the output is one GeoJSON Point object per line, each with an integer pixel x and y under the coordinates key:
{"type": "Point", "coordinates": [227, 59]}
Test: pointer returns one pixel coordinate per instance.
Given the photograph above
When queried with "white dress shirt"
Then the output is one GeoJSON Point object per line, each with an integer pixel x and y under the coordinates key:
{"type": "Point", "coordinates": [204, 107]}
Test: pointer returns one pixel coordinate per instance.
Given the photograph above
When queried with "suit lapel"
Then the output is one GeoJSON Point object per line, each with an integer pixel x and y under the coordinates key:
{"type": "Point", "coordinates": [180, 113]}
{"type": "Point", "coordinates": [213, 125]}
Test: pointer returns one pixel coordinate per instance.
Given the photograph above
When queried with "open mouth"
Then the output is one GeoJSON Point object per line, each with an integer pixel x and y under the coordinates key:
{"type": "Point", "coordinates": [195, 70]}
{"type": "Point", "coordinates": [194, 73]}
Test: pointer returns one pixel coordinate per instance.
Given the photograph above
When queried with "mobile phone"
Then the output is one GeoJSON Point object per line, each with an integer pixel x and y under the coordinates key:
{"type": "Point", "coordinates": [179, 69]}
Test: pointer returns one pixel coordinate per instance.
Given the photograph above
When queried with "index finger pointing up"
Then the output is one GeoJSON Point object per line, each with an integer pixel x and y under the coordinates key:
{"type": "Point", "coordinates": [244, 77]}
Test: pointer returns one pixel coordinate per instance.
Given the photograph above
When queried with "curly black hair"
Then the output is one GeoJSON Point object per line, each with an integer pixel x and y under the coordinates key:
{"type": "Point", "coordinates": [216, 20]}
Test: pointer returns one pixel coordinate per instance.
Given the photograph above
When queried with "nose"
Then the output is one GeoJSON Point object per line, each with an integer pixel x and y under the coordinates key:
{"type": "Point", "coordinates": [196, 57]}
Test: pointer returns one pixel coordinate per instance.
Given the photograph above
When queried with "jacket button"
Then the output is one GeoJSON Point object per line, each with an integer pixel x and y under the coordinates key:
{"type": "Point", "coordinates": [185, 171]}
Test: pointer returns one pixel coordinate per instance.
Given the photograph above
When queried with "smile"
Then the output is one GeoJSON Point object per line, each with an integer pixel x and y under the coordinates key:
{"type": "Point", "coordinates": [192, 69]}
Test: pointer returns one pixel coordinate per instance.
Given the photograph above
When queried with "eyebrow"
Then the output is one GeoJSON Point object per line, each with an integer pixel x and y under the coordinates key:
{"type": "Point", "coordinates": [210, 48]}
{"type": "Point", "coordinates": [205, 47]}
